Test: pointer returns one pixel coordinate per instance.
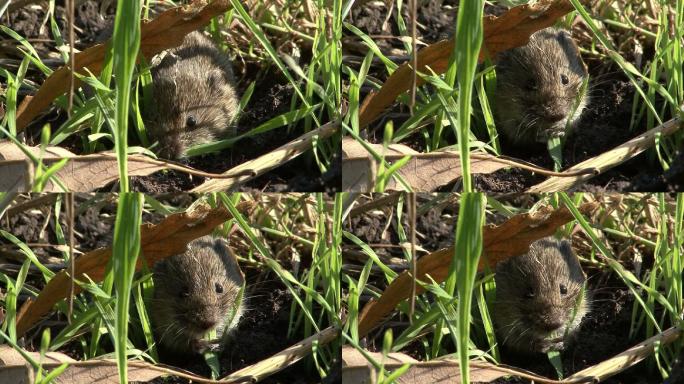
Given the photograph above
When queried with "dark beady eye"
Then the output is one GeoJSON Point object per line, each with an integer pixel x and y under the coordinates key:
{"type": "Point", "coordinates": [563, 289]}
{"type": "Point", "coordinates": [529, 294]}
{"type": "Point", "coordinates": [191, 122]}
{"type": "Point", "coordinates": [184, 292]}
{"type": "Point", "coordinates": [219, 287]}
{"type": "Point", "coordinates": [531, 85]}
{"type": "Point", "coordinates": [564, 79]}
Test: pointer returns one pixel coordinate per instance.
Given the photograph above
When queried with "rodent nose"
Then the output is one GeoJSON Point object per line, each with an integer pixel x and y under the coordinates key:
{"type": "Point", "coordinates": [553, 114]}
{"type": "Point", "coordinates": [551, 324]}
{"type": "Point", "coordinates": [171, 148]}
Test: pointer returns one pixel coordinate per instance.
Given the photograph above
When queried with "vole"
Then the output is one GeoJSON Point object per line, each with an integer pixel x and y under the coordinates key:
{"type": "Point", "coordinates": [538, 86]}
{"type": "Point", "coordinates": [540, 300]}
{"type": "Point", "coordinates": [194, 293]}
{"type": "Point", "coordinates": [194, 97]}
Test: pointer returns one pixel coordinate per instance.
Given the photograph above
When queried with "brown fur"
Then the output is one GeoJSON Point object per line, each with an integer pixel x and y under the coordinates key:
{"type": "Point", "coordinates": [194, 79]}
{"type": "Point", "coordinates": [532, 103]}
{"type": "Point", "coordinates": [531, 312]}
{"type": "Point", "coordinates": [186, 303]}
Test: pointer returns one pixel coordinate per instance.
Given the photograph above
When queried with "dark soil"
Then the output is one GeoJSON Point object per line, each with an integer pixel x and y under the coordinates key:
{"type": "Point", "coordinates": [262, 330]}
{"type": "Point", "coordinates": [603, 332]}
{"type": "Point", "coordinates": [603, 126]}
{"type": "Point", "coordinates": [271, 97]}
{"type": "Point", "coordinates": [261, 333]}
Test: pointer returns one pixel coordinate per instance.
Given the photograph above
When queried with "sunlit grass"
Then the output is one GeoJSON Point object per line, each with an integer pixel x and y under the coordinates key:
{"type": "Point", "coordinates": [298, 43]}
{"type": "Point", "coordinates": [441, 108]}
{"type": "Point", "coordinates": [114, 313]}
{"type": "Point", "coordinates": [642, 226]}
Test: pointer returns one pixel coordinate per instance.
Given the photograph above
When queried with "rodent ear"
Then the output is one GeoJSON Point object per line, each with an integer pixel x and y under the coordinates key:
{"type": "Point", "coordinates": [564, 37]}
{"type": "Point", "coordinates": [160, 266]}
{"type": "Point", "coordinates": [221, 247]}
{"type": "Point", "coordinates": [214, 80]}
{"type": "Point", "coordinates": [164, 84]}
{"type": "Point", "coordinates": [565, 247]}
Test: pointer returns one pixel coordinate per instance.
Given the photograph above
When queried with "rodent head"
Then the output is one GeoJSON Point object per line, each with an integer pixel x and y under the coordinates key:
{"type": "Point", "coordinates": [194, 100]}
{"type": "Point", "coordinates": [538, 86]}
{"type": "Point", "coordinates": [539, 297]}
{"type": "Point", "coordinates": [195, 292]}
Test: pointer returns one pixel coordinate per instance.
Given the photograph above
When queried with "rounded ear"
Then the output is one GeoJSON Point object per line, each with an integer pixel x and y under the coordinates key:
{"type": "Point", "coordinates": [230, 261]}
{"type": "Point", "coordinates": [502, 60]}
{"type": "Point", "coordinates": [566, 248]}
{"type": "Point", "coordinates": [160, 267]}
{"type": "Point", "coordinates": [564, 37]}
{"type": "Point", "coordinates": [163, 86]}
{"type": "Point", "coordinates": [214, 80]}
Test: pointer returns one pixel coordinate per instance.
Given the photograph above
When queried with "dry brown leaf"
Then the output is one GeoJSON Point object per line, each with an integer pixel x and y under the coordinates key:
{"type": "Point", "coordinates": [511, 238]}
{"type": "Point", "coordinates": [424, 172]}
{"type": "Point", "coordinates": [15, 369]}
{"type": "Point", "coordinates": [159, 241]}
{"type": "Point", "coordinates": [608, 160]}
{"type": "Point", "coordinates": [357, 369]}
{"type": "Point", "coordinates": [16, 175]}
{"type": "Point", "coordinates": [262, 164]}
{"type": "Point", "coordinates": [81, 173]}
{"type": "Point", "coordinates": [512, 29]}
{"type": "Point", "coordinates": [166, 31]}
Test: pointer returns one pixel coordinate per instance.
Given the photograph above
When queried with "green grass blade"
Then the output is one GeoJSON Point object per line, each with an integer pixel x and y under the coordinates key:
{"type": "Point", "coordinates": [126, 42]}
{"type": "Point", "coordinates": [126, 247]}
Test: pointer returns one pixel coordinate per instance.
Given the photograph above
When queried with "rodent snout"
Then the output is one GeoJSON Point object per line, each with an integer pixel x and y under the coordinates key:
{"type": "Point", "coordinates": [553, 113]}
{"type": "Point", "coordinates": [203, 320]}
{"type": "Point", "coordinates": [550, 323]}
{"type": "Point", "coordinates": [551, 320]}
{"type": "Point", "coordinates": [170, 147]}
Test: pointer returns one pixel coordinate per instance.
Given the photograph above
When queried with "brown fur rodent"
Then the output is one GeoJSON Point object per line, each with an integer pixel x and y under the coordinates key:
{"type": "Point", "coordinates": [540, 300]}
{"type": "Point", "coordinates": [194, 293]}
{"type": "Point", "coordinates": [537, 87]}
{"type": "Point", "coordinates": [194, 97]}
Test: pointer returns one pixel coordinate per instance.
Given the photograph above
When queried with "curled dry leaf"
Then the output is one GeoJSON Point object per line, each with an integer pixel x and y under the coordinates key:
{"type": "Point", "coordinates": [511, 238]}
{"type": "Point", "coordinates": [357, 369]}
{"type": "Point", "coordinates": [166, 31]}
{"type": "Point", "coordinates": [81, 173]}
{"type": "Point", "coordinates": [262, 164]}
{"type": "Point", "coordinates": [510, 30]}
{"type": "Point", "coordinates": [15, 369]}
{"type": "Point", "coordinates": [157, 242]}
{"type": "Point", "coordinates": [423, 172]}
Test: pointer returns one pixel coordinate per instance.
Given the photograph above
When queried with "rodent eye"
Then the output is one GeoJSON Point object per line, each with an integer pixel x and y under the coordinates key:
{"type": "Point", "coordinates": [184, 292]}
{"type": "Point", "coordinates": [531, 85]}
{"type": "Point", "coordinates": [529, 294]}
{"type": "Point", "coordinates": [563, 289]}
{"type": "Point", "coordinates": [191, 121]}
{"type": "Point", "coordinates": [219, 288]}
{"type": "Point", "coordinates": [564, 79]}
